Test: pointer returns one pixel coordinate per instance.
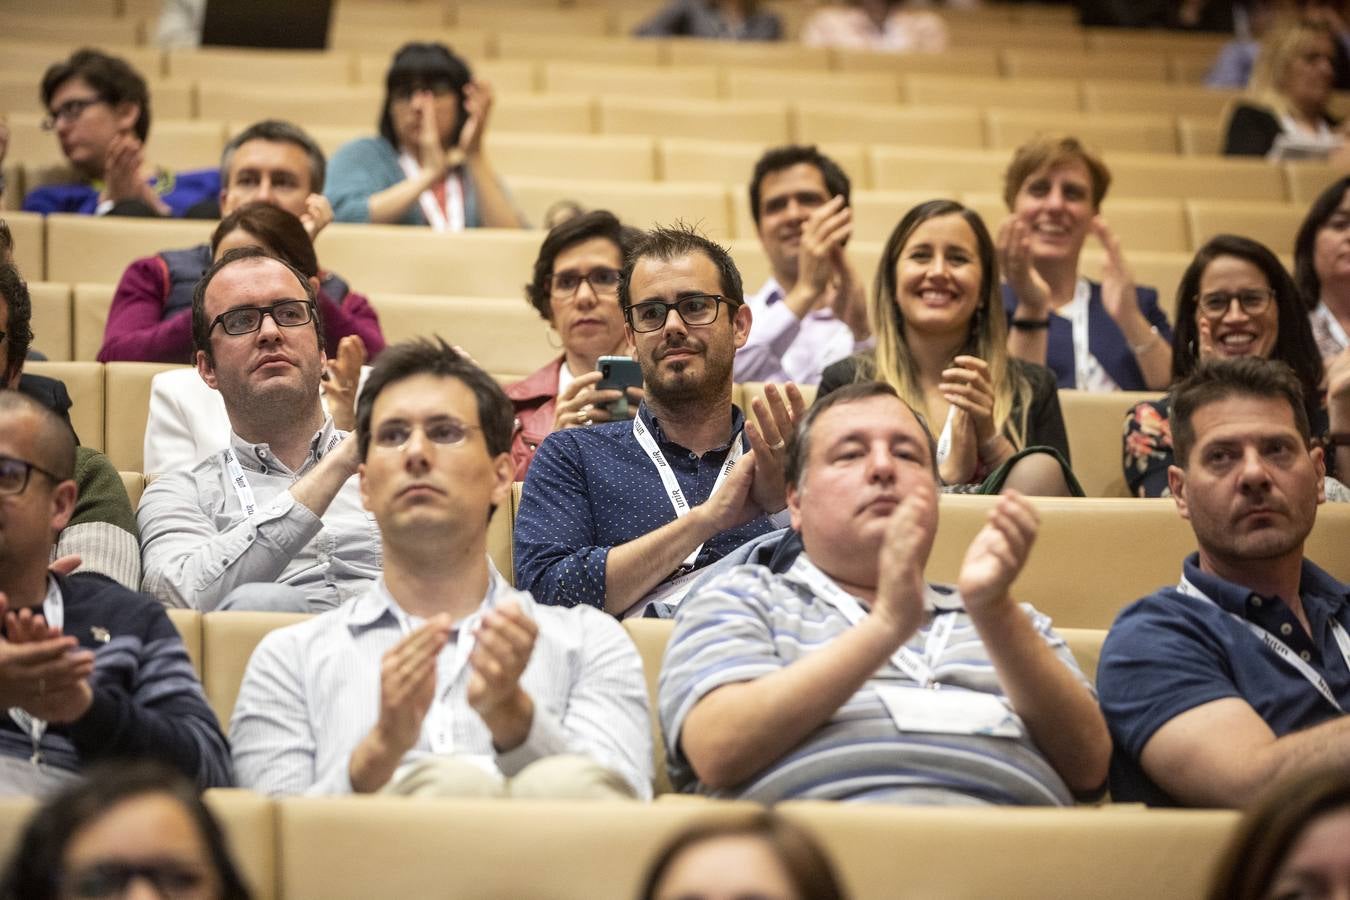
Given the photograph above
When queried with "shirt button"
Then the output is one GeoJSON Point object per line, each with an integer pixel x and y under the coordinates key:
{"type": "Point", "coordinates": [1256, 601]}
{"type": "Point", "coordinates": [1305, 656]}
{"type": "Point", "coordinates": [1286, 629]}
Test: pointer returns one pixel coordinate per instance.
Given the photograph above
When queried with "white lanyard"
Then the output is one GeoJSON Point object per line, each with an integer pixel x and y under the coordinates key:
{"type": "Point", "coordinates": [1088, 372]}
{"type": "Point", "coordinates": [53, 610]}
{"type": "Point", "coordinates": [239, 479]}
{"type": "Point", "coordinates": [677, 498]}
{"type": "Point", "coordinates": [919, 668]}
{"type": "Point", "coordinates": [944, 443]}
{"type": "Point", "coordinates": [449, 219]}
{"type": "Point", "coordinates": [1282, 649]}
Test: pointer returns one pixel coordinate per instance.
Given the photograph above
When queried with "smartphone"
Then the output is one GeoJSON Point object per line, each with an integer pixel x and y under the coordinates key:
{"type": "Point", "coordinates": [618, 373]}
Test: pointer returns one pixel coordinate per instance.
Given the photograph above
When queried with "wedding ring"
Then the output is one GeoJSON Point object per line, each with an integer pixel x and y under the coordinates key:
{"type": "Point", "coordinates": [779, 446]}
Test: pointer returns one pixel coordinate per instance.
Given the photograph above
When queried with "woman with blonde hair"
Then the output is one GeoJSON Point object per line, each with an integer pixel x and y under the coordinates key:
{"type": "Point", "coordinates": [1284, 113]}
{"type": "Point", "coordinates": [941, 342]}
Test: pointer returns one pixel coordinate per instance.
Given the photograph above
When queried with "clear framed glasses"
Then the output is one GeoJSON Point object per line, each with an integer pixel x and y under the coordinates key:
{"type": "Point", "coordinates": [247, 319]}
{"type": "Point", "coordinates": [395, 433]}
{"type": "Point", "coordinates": [69, 111]}
{"type": "Point", "coordinates": [1253, 301]}
{"type": "Point", "coordinates": [14, 474]}
{"type": "Point", "coordinates": [696, 309]}
{"type": "Point", "coordinates": [603, 280]}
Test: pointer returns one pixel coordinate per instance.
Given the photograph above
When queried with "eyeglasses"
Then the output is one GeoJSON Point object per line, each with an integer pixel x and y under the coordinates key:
{"type": "Point", "coordinates": [446, 432]}
{"type": "Point", "coordinates": [14, 474]}
{"type": "Point", "coordinates": [69, 111]}
{"type": "Point", "coordinates": [112, 879]}
{"type": "Point", "coordinates": [603, 281]}
{"type": "Point", "coordinates": [1216, 305]}
{"type": "Point", "coordinates": [696, 309]}
{"type": "Point", "coordinates": [247, 319]}
{"type": "Point", "coordinates": [405, 92]}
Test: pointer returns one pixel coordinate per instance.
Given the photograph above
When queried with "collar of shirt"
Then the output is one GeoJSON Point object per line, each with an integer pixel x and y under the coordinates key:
{"type": "Point", "coordinates": [377, 605]}
{"type": "Point", "coordinates": [773, 292]}
{"type": "Point", "coordinates": [259, 457]}
{"type": "Point", "coordinates": [1318, 590]}
{"type": "Point", "coordinates": [936, 597]}
{"type": "Point", "coordinates": [653, 425]}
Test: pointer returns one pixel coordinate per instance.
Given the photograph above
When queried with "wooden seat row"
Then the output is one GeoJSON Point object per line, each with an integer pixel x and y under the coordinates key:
{"type": "Point", "coordinates": [358, 847]}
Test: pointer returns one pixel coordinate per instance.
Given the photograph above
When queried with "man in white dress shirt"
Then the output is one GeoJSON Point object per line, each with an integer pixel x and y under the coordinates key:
{"type": "Point", "coordinates": [813, 309]}
{"type": "Point", "coordinates": [274, 521]}
{"type": "Point", "coordinates": [440, 679]}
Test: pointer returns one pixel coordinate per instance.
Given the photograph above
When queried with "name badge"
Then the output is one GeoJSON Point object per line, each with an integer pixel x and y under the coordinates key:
{"type": "Point", "coordinates": [950, 711]}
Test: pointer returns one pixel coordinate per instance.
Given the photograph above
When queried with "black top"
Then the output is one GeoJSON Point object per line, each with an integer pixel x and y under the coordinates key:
{"type": "Point", "coordinates": [1252, 131]}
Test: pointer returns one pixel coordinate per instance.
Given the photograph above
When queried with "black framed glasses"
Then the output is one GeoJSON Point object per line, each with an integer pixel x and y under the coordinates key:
{"type": "Point", "coordinates": [247, 319]}
{"type": "Point", "coordinates": [1253, 301]}
{"type": "Point", "coordinates": [436, 87]}
{"type": "Point", "coordinates": [171, 879]}
{"type": "Point", "coordinates": [68, 111]}
{"type": "Point", "coordinates": [14, 474]}
{"type": "Point", "coordinates": [695, 309]}
{"type": "Point", "coordinates": [394, 435]}
{"type": "Point", "coordinates": [603, 280]}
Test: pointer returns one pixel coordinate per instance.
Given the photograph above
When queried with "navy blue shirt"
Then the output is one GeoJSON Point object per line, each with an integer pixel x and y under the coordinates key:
{"type": "Point", "coordinates": [1169, 653]}
{"type": "Point", "coordinates": [590, 489]}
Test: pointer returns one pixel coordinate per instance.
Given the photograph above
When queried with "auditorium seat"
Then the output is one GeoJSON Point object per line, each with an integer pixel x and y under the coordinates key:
{"type": "Point", "coordinates": [1200, 135]}
{"type": "Point", "coordinates": [730, 162]}
{"type": "Point", "coordinates": [1125, 96]}
{"type": "Point", "coordinates": [581, 21]}
{"type": "Point", "coordinates": [472, 43]}
{"type": "Point", "coordinates": [128, 408]}
{"type": "Point", "coordinates": [547, 47]}
{"type": "Point", "coordinates": [506, 336]}
{"type": "Point", "coordinates": [12, 199]}
{"type": "Point", "coordinates": [177, 141]}
{"type": "Point", "coordinates": [515, 75]}
{"type": "Point", "coordinates": [556, 114]}
{"type": "Point", "coordinates": [134, 482]}
{"type": "Point", "coordinates": [30, 239]}
{"type": "Point", "coordinates": [268, 67]}
{"type": "Point", "coordinates": [762, 121]}
{"type": "Point", "coordinates": [1308, 179]}
{"type": "Point", "coordinates": [338, 105]}
{"type": "Point", "coordinates": [1158, 269]}
{"type": "Point", "coordinates": [30, 58]}
{"type": "Point", "coordinates": [480, 262]}
{"type": "Point", "coordinates": [1138, 66]}
{"type": "Point", "coordinates": [651, 636]}
{"type": "Point", "coordinates": [77, 29]}
{"type": "Point", "coordinates": [84, 383]}
{"type": "Point", "coordinates": [960, 61]}
{"type": "Point", "coordinates": [1017, 854]}
{"type": "Point", "coordinates": [1094, 422]}
{"type": "Point", "coordinates": [1011, 128]}
{"type": "Point", "coordinates": [90, 316]}
{"type": "Point", "coordinates": [1043, 94]}
{"type": "Point", "coordinates": [411, 14]}
{"type": "Point", "coordinates": [187, 621]}
{"type": "Point", "coordinates": [664, 82]}
{"type": "Point", "coordinates": [945, 172]}
{"type": "Point", "coordinates": [98, 248]}
{"type": "Point", "coordinates": [640, 204]}
{"type": "Point", "coordinates": [876, 213]}
{"type": "Point", "coordinates": [742, 83]}
{"type": "Point", "coordinates": [51, 320]}
{"type": "Point", "coordinates": [1273, 224]}
{"type": "Point", "coordinates": [1122, 549]}
{"type": "Point", "coordinates": [228, 640]}
{"type": "Point", "coordinates": [544, 155]}
{"type": "Point", "coordinates": [809, 61]}
{"type": "Point", "coordinates": [895, 126]}
{"type": "Point", "coordinates": [1151, 175]}
{"type": "Point", "coordinates": [1086, 646]}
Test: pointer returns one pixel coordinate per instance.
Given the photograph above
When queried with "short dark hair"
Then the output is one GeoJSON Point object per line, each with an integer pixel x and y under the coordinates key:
{"type": "Point", "coordinates": [599, 223]}
{"type": "Point", "coordinates": [34, 869]}
{"type": "Point", "coordinates": [1295, 345]}
{"type": "Point", "coordinates": [1218, 379]}
{"type": "Point", "coordinates": [1305, 244]}
{"type": "Point", "coordinates": [277, 131]}
{"type": "Point", "coordinates": [6, 243]}
{"type": "Point", "coordinates": [807, 866]}
{"type": "Point", "coordinates": [1270, 829]}
{"type": "Point", "coordinates": [799, 447]}
{"type": "Point", "coordinates": [111, 77]}
{"type": "Point", "coordinates": [55, 443]}
{"type": "Point", "coordinates": [19, 330]}
{"type": "Point", "coordinates": [673, 242]}
{"type": "Point", "coordinates": [418, 63]}
{"type": "Point", "coordinates": [280, 232]}
{"type": "Point", "coordinates": [778, 158]}
{"type": "Point", "coordinates": [422, 356]}
{"type": "Point", "coordinates": [201, 325]}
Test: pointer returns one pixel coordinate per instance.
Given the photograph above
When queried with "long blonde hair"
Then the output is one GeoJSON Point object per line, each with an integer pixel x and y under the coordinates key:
{"type": "Point", "coordinates": [894, 364]}
{"type": "Point", "coordinates": [1279, 48]}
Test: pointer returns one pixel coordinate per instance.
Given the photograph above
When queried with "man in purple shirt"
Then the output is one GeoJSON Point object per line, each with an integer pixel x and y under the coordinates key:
{"type": "Point", "coordinates": [812, 311]}
{"type": "Point", "coordinates": [271, 162]}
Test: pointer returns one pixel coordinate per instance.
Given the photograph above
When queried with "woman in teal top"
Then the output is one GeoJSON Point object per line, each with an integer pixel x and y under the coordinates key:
{"type": "Point", "coordinates": [428, 165]}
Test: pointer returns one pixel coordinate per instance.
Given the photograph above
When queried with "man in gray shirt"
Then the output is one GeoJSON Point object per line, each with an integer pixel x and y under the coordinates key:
{"type": "Point", "coordinates": [274, 521]}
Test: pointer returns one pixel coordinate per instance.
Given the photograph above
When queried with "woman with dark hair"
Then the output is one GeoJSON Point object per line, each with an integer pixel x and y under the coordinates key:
{"type": "Point", "coordinates": [1295, 842]}
{"type": "Point", "coordinates": [1322, 268]}
{"type": "Point", "coordinates": [278, 232]}
{"type": "Point", "coordinates": [760, 855]}
{"type": "Point", "coordinates": [1235, 299]}
{"type": "Point", "coordinates": [428, 166]}
{"type": "Point", "coordinates": [941, 342]}
{"type": "Point", "coordinates": [575, 289]}
{"type": "Point", "coordinates": [125, 823]}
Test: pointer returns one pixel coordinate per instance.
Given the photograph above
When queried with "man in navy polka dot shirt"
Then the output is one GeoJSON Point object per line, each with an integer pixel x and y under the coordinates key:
{"type": "Point", "coordinates": [622, 515]}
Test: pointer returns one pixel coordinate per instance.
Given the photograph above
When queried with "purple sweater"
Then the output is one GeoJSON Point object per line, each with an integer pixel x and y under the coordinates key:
{"type": "Point", "coordinates": [139, 331]}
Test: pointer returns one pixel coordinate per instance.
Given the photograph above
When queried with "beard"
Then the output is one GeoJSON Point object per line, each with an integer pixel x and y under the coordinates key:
{"type": "Point", "coordinates": [676, 387]}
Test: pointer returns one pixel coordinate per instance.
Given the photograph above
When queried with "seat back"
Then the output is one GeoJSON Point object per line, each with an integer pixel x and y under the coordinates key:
{"type": "Point", "coordinates": [128, 409]}
{"type": "Point", "coordinates": [51, 319]}
{"type": "Point", "coordinates": [134, 482]}
{"type": "Point", "coordinates": [189, 625]}
{"type": "Point", "coordinates": [480, 262]}
{"type": "Point", "coordinates": [762, 121]}
{"type": "Point", "coordinates": [1273, 224]}
{"type": "Point", "coordinates": [641, 204]}
{"type": "Point", "coordinates": [504, 336]}
{"type": "Point", "coordinates": [84, 383]}
{"type": "Point", "coordinates": [1095, 422]}
{"type": "Point", "coordinates": [651, 636]}
{"type": "Point", "coordinates": [99, 248]}
{"type": "Point", "coordinates": [30, 239]}
{"type": "Point", "coordinates": [89, 312]}
{"type": "Point", "coordinates": [228, 640]}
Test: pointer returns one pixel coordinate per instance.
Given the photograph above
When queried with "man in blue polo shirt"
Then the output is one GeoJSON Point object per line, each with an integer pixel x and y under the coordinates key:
{"type": "Point", "coordinates": [621, 515]}
{"type": "Point", "coordinates": [1241, 673]}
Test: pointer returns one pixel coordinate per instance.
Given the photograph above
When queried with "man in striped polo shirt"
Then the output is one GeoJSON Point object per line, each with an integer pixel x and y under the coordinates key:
{"type": "Point", "coordinates": [848, 676]}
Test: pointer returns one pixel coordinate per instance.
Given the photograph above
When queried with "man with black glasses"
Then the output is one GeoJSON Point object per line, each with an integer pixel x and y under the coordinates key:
{"type": "Point", "coordinates": [274, 521]}
{"type": "Point", "coordinates": [622, 515]}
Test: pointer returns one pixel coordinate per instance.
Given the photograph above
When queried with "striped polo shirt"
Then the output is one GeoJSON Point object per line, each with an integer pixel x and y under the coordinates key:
{"type": "Point", "coordinates": [750, 622]}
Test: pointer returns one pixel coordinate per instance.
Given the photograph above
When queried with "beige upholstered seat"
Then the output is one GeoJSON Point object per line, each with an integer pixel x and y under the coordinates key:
{"type": "Point", "coordinates": [228, 640]}
{"type": "Point", "coordinates": [651, 636]}
{"type": "Point", "coordinates": [607, 157]}
{"type": "Point", "coordinates": [1129, 96]}
{"type": "Point", "coordinates": [892, 126]}
{"type": "Point", "coordinates": [962, 61]}
{"type": "Point", "coordinates": [748, 54]}
{"type": "Point", "coordinates": [99, 248]}
{"type": "Point", "coordinates": [187, 621]}
{"type": "Point", "coordinates": [687, 82]}
{"type": "Point", "coordinates": [547, 47]}
{"type": "Point", "coordinates": [1138, 66]}
{"type": "Point", "coordinates": [30, 241]}
{"type": "Point", "coordinates": [263, 67]}
{"type": "Point", "coordinates": [555, 114]}
{"type": "Point", "coordinates": [128, 409]}
{"type": "Point", "coordinates": [134, 482]}
{"type": "Point", "coordinates": [1200, 135]}
{"type": "Point", "coordinates": [637, 203]}
{"type": "Point", "coordinates": [763, 121]}
{"type": "Point", "coordinates": [51, 320]}
{"type": "Point", "coordinates": [1135, 133]}
{"type": "Point", "coordinates": [742, 83]}
{"type": "Point", "coordinates": [84, 382]}
{"type": "Point", "coordinates": [1045, 94]}
{"type": "Point", "coordinates": [1094, 422]}
{"type": "Point", "coordinates": [1308, 179]}
{"type": "Point", "coordinates": [1273, 224]}
{"type": "Point", "coordinates": [480, 262]}
{"type": "Point", "coordinates": [231, 101]}
{"type": "Point", "coordinates": [945, 172]}
{"type": "Point", "coordinates": [505, 336]}
{"type": "Point", "coordinates": [1229, 178]}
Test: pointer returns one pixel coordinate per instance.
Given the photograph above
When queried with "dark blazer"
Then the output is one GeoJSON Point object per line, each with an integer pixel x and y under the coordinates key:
{"type": "Point", "coordinates": [51, 393]}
